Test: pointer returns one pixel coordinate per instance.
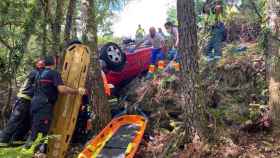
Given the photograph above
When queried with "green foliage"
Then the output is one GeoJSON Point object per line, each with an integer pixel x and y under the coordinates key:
{"type": "Point", "coordinates": [254, 11]}
{"type": "Point", "coordinates": [21, 152]}
{"type": "Point", "coordinates": [105, 39]}
{"type": "Point", "coordinates": [14, 19]}
{"type": "Point", "coordinates": [228, 113]}
{"type": "Point", "coordinates": [167, 80]}
{"type": "Point", "coordinates": [264, 34]}
{"type": "Point", "coordinates": [256, 111]}
{"type": "Point", "coordinates": [263, 38]}
{"type": "Point", "coordinates": [14, 15]}
{"type": "Point", "coordinates": [18, 152]}
{"type": "Point", "coordinates": [105, 14]}
{"type": "Point", "coordinates": [198, 9]}
{"type": "Point", "coordinates": [172, 15]}
{"type": "Point", "coordinates": [172, 12]}
{"type": "Point", "coordinates": [3, 64]}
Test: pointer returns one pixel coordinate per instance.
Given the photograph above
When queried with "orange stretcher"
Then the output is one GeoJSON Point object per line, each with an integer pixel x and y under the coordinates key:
{"type": "Point", "coordinates": [120, 138]}
{"type": "Point", "coordinates": [66, 109]}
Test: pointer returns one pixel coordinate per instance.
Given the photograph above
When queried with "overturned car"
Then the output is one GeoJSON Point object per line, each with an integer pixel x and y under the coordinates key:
{"type": "Point", "coordinates": [121, 64]}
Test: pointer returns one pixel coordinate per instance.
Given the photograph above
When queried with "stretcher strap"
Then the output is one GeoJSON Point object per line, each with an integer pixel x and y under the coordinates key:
{"type": "Point", "coordinates": [21, 95]}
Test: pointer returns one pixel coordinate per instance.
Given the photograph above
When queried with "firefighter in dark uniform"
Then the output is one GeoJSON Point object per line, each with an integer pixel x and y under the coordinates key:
{"type": "Point", "coordinates": [48, 84]}
{"type": "Point", "coordinates": [214, 20]}
{"type": "Point", "coordinates": [19, 122]}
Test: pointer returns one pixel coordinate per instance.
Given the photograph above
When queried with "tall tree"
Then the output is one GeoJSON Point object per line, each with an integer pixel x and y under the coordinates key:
{"type": "Point", "coordinates": [44, 27]}
{"type": "Point", "coordinates": [98, 97]}
{"type": "Point", "coordinates": [96, 9]}
{"type": "Point", "coordinates": [189, 62]}
{"type": "Point", "coordinates": [274, 58]}
{"type": "Point", "coordinates": [56, 27]}
{"type": "Point", "coordinates": [172, 14]}
{"type": "Point", "coordinates": [45, 36]}
{"type": "Point", "coordinates": [69, 19]}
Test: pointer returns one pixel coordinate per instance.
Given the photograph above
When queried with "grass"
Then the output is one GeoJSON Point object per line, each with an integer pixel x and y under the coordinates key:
{"type": "Point", "coordinates": [21, 152]}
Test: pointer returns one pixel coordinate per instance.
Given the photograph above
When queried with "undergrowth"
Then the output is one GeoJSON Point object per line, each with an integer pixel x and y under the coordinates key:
{"type": "Point", "coordinates": [22, 152]}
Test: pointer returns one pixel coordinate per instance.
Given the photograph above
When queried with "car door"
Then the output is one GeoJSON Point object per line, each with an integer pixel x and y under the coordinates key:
{"type": "Point", "coordinates": [133, 65]}
{"type": "Point", "coordinates": [145, 56]}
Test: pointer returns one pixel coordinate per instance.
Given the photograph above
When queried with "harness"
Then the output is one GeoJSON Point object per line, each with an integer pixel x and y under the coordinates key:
{"type": "Point", "coordinates": [40, 80]}
{"type": "Point", "coordinates": [22, 93]}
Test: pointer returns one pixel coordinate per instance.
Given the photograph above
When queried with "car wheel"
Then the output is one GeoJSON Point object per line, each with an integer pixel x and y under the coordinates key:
{"type": "Point", "coordinates": [113, 56]}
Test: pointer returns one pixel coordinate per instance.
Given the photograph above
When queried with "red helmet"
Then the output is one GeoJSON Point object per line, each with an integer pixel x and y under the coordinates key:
{"type": "Point", "coordinates": [40, 64]}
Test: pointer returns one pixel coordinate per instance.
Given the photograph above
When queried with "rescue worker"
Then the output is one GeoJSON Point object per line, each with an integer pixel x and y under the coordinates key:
{"type": "Point", "coordinates": [140, 33]}
{"type": "Point", "coordinates": [173, 31]}
{"type": "Point", "coordinates": [174, 35]}
{"type": "Point", "coordinates": [19, 122]}
{"type": "Point", "coordinates": [161, 32]}
{"type": "Point", "coordinates": [48, 83]}
{"type": "Point", "coordinates": [217, 29]}
{"type": "Point", "coordinates": [157, 42]}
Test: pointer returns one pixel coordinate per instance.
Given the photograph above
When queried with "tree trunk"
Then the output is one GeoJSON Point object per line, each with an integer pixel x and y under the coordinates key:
{"type": "Point", "coordinates": [75, 29]}
{"type": "Point", "coordinates": [6, 109]}
{"type": "Point", "coordinates": [45, 33]}
{"type": "Point", "coordinates": [98, 97]}
{"type": "Point", "coordinates": [69, 20]}
{"type": "Point", "coordinates": [189, 62]}
{"type": "Point", "coordinates": [56, 28]}
{"type": "Point", "coordinates": [273, 59]}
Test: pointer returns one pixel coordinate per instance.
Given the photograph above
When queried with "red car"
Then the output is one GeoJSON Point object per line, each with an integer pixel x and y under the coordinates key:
{"type": "Point", "coordinates": [120, 66]}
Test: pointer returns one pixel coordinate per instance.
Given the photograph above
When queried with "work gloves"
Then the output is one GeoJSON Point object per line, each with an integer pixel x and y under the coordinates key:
{"type": "Point", "coordinates": [82, 91]}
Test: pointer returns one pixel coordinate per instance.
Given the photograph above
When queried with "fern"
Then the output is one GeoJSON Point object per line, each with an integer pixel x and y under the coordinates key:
{"type": "Point", "coordinates": [22, 152]}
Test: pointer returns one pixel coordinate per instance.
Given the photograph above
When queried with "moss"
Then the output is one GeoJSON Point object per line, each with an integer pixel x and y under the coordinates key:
{"type": "Point", "coordinates": [14, 153]}
{"type": "Point", "coordinates": [21, 152]}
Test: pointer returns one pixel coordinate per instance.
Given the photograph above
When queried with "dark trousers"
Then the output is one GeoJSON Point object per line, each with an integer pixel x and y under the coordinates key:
{"type": "Point", "coordinates": [216, 39]}
{"type": "Point", "coordinates": [41, 112]}
{"type": "Point", "coordinates": [19, 122]}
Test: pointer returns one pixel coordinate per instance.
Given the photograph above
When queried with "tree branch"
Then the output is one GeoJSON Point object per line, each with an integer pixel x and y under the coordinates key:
{"type": "Point", "coordinates": [256, 10]}
{"type": "Point", "coordinates": [5, 43]}
{"type": "Point", "coordinates": [16, 23]}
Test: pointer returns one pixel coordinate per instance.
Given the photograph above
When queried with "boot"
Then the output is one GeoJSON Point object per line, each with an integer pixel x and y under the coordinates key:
{"type": "Point", "coordinates": [28, 143]}
{"type": "Point", "coordinates": [4, 139]}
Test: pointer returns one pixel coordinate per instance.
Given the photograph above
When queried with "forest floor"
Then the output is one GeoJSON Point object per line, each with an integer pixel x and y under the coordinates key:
{"type": "Point", "coordinates": [236, 96]}
{"type": "Point", "coordinates": [235, 92]}
{"type": "Point", "coordinates": [245, 145]}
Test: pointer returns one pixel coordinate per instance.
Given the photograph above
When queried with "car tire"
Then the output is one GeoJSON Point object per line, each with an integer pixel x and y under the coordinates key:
{"type": "Point", "coordinates": [113, 56]}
